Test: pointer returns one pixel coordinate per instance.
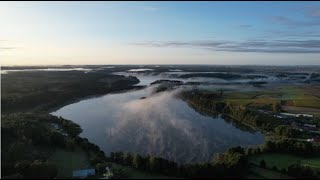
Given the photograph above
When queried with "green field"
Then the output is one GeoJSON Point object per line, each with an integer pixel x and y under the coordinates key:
{"type": "Point", "coordinates": [132, 173]}
{"type": "Point", "coordinates": [260, 173]}
{"type": "Point", "coordinates": [68, 161]}
{"type": "Point", "coordinates": [284, 160]}
{"type": "Point", "coordinates": [301, 96]}
{"type": "Point", "coordinates": [253, 98]}
{"type": "Point", "coordinates": [294, 99]}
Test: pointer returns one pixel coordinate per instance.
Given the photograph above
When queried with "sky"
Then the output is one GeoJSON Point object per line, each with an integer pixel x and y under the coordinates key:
{"type": "Point", "coordinates": [239, 33]}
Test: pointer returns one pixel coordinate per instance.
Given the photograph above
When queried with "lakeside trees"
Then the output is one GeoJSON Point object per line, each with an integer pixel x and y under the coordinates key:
{"type": "Point", "coordinates": [287, 131]}
{"type": "Point", "coordinates": [213, 103]}
{"type": "Point", "coordinates": [233, 163]}
{"type": "Point", "coordinates": [28, 140]}
{"type": "Point", "coordinates": [276, 107]}
{"type": "Point", "coordinates": [291, 146]}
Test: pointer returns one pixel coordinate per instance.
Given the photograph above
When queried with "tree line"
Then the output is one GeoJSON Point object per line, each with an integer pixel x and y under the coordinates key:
{"type": "Point", "coordinates": [233, 163]}
{"type": "Point", "coordinates": [213, 102]}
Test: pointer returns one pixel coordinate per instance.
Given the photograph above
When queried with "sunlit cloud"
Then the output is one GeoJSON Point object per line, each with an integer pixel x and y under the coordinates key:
{"type": "Point", "coordinates": [9, 45]}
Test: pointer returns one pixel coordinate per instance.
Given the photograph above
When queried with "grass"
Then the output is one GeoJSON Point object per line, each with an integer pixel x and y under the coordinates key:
{"type": "Point", "coordinates": [300, 95]}
{"type": "Point", "coordinates": [302, 110]}
{"type": "Point", "coordinates": [292, 96]}
{"type": "Point", "coordinates": [68, 161]}
{"type": "Point", "coordinates": [256, 98]}
{"type": "Point", "coordinates": [307, 101]}
{"type": "Point", "coordinates": [253, 176]}
{"type": "Point", "coordinates": [284, 160]}
{"type": "Point", "coordinates": [136, 174]}
{"type": "Point", "coordinates": [260, 173]}
{"type": "Point", "coordinates": [132, 173]}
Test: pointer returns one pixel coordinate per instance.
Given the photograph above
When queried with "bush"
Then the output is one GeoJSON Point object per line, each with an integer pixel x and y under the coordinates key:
{"type": "Point", "coordinates": [283, 170]}
{"type": "Point", "coordinates": [296, 170]}
{"type": "Point", "coordinates": [14, 176]}
{"type": "Point", "coordinates": [118, 173]}
{"type": "Point", "coordinates": [274, 168]}
{"type": "Point", "coordinates": [101, 167]}
{"type": "Point", "coordinates": [263, 163]}
{"type": "Point", "coordinates": [42, 170]}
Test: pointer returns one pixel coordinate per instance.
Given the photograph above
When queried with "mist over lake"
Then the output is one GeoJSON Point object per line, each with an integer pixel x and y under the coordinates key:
{"type": "Point", "coordinates": [160, 125]}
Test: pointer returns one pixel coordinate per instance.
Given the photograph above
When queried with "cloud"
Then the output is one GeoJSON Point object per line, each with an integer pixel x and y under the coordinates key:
{"type": "Point", "coordinates": [275, 46]}
{"type": "Point", "coordinates": [150, 9]}
{"type": "Point", "coordinates": [9, 45]}
{"type": "Point", "coordinates": [245, 26]}
{"type": "Point", "coordinates": [8, 48]}
{"type": "Point", "coordinates": [313, 11]}
{"type": "Point", "coordinates": [291, 34]}
{"type": "Point", "coordinates": [294, 23]}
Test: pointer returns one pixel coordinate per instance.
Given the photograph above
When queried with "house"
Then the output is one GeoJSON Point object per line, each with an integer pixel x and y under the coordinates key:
{"type": "Point", "coordinates": [278, 116]}
{"type": "Point", "coordinates": [55, 126]}
{"type": "Point", "coordinates": [108, 174]}
{"type": "Point", "coordinates": [297, 115]}
{"type": "Point", "coordinates": [315, 139]}
{"type": "Point", "coordinates": [83, 173]}
{"type": "Point", "coordinates": [310, 127]}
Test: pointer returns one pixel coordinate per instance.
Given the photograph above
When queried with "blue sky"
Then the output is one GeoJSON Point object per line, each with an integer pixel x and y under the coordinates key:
{"type": "Point", "coordinates": [276, 33]}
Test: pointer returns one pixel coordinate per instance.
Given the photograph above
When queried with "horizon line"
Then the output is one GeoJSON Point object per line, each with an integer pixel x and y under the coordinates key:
{"type": "Point", "coordinates": [159, 65]}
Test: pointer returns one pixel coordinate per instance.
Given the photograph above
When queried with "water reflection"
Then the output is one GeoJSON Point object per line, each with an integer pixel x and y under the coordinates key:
{"type": "Point", "coordinates": [160, 125]}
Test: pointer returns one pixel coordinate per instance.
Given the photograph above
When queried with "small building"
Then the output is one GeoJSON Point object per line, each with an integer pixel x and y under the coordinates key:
{"type": "Point", "coordinates": [297, 115]}
{"type": "Point", "coordinates": [83, 173]}
{"type": "Point", "coordinates": [278, 116]}
{"type": "Point", "coordinates": [316, 139]}
{"type": "Point", "coordinates": [310, 125]}
{"type": "Point", "coordinates": [55, 126]}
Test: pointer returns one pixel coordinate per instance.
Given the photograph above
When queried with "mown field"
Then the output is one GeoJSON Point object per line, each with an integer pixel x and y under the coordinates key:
{"type": "Point", "coordinates": [132, 173]}
{"type": "Point", "coordinates": [293, 99]}
{"type": "Point", "coordinates": [260, 173]}
{"type": "Point", "coordinates": [284, 160]}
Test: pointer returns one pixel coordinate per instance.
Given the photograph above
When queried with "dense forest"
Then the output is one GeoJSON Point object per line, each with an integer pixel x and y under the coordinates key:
{"type": "Point", "coordinates": [42, 91]}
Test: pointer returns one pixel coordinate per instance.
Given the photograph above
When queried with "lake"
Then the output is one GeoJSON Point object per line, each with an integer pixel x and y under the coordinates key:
{"type": "Point", "coordinates": [160, 125]}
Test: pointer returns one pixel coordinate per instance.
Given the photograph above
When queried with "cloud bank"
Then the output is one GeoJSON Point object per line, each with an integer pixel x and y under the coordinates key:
{"type": "Point", "coordinates": [263, 46]}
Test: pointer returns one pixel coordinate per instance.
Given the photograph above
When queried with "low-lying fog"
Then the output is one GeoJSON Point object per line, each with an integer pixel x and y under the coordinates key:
{"type": "Point", "coordinates": [163, 125]}
{"type": "Point", "coordinates": [159, 124]}
{"type": "Point", "coordinates": [146, 77]}
{"type": "Point", "coordinates": [46, 69]}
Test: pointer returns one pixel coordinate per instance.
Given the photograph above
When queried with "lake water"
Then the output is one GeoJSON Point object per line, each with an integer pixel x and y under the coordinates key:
{"type": "Point", "coordinates": [160, 125]}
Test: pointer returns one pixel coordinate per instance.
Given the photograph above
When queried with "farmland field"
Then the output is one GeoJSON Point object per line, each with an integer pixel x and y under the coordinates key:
{"type": "Point", "coordinates": [284, 160]}
{"type": "Point", "coordinates": [260, 173]}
